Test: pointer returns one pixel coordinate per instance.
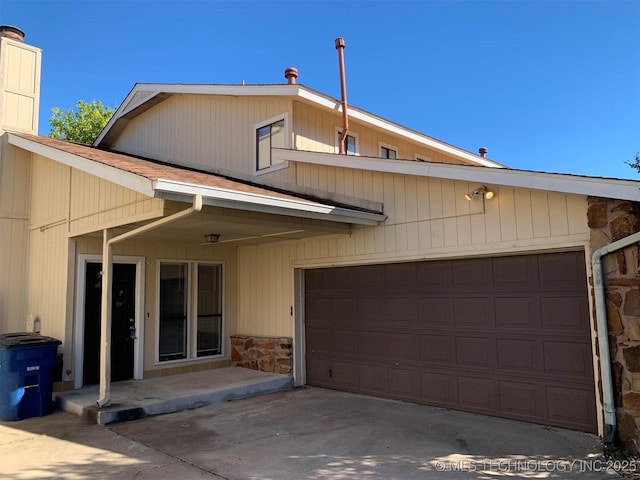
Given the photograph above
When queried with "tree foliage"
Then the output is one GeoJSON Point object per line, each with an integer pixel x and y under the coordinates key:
{"type": "Point", "coordinates": [82, 125]}
{"type": "Point", "coordinates": [635, 163]}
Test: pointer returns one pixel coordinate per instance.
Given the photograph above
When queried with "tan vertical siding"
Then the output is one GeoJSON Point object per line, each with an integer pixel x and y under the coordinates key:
{"type": "Point", "coordinates": [200, 130]}
{"type": "Point", "coordinates": [427, 218]}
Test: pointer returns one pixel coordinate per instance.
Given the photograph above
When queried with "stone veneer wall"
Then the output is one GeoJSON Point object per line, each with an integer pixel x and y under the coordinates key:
{"type": "Point", "coordinates": [611, 220]}
{"type": "Point", "coordinates": [267, 354]}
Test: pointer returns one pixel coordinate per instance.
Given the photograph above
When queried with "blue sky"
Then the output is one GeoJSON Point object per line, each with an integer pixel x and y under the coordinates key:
{"type": "Point", "coordinates": [546, 85]}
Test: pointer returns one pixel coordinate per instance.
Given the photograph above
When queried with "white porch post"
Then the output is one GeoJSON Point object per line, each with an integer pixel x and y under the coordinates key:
{"type": "Point", "coordinates": [105, 323]}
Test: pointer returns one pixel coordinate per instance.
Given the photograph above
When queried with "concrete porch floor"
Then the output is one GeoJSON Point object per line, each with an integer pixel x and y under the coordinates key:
{"type": "Point", "coordinates": [134, 399]}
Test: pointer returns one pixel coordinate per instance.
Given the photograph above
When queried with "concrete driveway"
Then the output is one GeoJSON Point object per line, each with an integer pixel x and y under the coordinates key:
{"type": "Point", "coordinates": [305, 433]}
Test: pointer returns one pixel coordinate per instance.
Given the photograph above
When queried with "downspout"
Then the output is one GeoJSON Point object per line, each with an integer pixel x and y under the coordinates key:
{"type": "Point", "coordinates": [343, 89]}
{"type": "Point", "coordinates": [603, 337]}
{"type": "Point", "coordinates": [107, 287]}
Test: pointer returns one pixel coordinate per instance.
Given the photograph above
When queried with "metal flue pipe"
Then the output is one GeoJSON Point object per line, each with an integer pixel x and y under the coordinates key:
{"type": "Point", "coordinates": [340, 45]}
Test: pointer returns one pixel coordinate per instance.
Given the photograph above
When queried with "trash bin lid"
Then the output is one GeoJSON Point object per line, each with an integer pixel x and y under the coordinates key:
{"type": "Point", "coordinates": [25, 339]}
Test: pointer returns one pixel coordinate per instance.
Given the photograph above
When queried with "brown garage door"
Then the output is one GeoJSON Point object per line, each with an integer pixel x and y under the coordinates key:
{"type": "Point", "coordinates": [505, 336]}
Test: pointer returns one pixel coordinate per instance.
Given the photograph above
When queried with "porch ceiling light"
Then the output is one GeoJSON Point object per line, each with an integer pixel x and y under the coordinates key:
{"type": "Point", "coordinates": [212, 237]}
{"type": "Point", "coordinates": [479, 192]}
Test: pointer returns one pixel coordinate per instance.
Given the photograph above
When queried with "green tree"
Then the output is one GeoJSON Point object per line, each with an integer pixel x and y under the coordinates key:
{"type": "Point", "coordinates": [635, 163]}
{"type": "Point", "coordinates": [82, 125]}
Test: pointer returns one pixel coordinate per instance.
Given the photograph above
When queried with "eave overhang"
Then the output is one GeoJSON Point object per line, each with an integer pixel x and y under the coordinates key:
{"type": "Point", "coordinates": [249, 198]}
{"type": "Point", "coordinates": [555, 182]}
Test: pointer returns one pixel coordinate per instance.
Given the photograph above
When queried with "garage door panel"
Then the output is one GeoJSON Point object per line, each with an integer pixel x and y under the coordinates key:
{"type": "Point", "coordinates": [402, 346]}
{"type": "Point", "coordinates": [519, 355]}
{"type": "Point", "coordinates": [436, 349]}
{"type": "Point", "coordinates": [318, 338]}
{"type": "Point", "coordinates": [515, 273]}
{"type": "Point", "coordinates": [372, 379]}
{"type": "Point", "coordinates": [319, 370]}
{"type": "Point", "coordinates": [472, 312]}
{"type": "Point", "coordinates": [401, 310]}
{"type": "Point", "coordinates": [520, 398]}
{"type": "Point", "coordinates": [474, 352]}
{"type": "Point", "coordinates": [371, 310]}
{"type": "Point", "coordinates": [564, 313]}
{"type": "Point", "coordinates": [569, 359]}
{"type": "Point", "coordinates": [344, 374]}
{"type": "Point", "coordinates": [404, 383]}
{"type": "Point", "coordinates": [509, 336]}
{"type": "Point", "coordinates": [436, 311]}
{"type": "Point", "coordinates": [561, 271]}
{"type": "Point", "coordinates": [371, 344]}
{"type": "Point", "coordinates": [438, 388]}
{"type": "Point", "coordinates": [570, 407]}
{"type": "Point", "coordinates": [477, 393]}
{"type": "Point", "coordinates": [342, 340]}
{"type": "Point", "coordinates": [472, 274]}
{"type": "Point", "coordinates": [341, 309]}
{"type": "Point", "coordinates": [517, 313]}
{"type": "Point", "coordinates": [400, 278]}
{"type": "Point", "coordinates": [432, 276]}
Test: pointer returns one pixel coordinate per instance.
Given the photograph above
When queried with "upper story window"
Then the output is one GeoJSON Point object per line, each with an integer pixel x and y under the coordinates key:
{"type": "Point", "coordinates": [268, 135]}
{"type": "Point", "coordinates": [387, 151]}
{"type": "Point", "coordinates": [350, 143]}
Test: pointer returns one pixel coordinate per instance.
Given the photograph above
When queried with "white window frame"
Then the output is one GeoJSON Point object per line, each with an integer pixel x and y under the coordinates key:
{"type": "Point", "coordinates": [287, 142]}
{"type": "Point", "coordinates": [351, 133]}
{"type": "Point", "coordinates": [192, 311]}
{"type": "Point", "coordinates": [390, 147]}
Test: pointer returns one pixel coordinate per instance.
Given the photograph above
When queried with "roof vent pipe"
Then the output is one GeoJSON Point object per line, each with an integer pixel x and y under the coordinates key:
{"type": "Point", "coordinates": [483, 151]}
{"type": "Point", "coordinates": [343, 88]}
{"type": "Point", "coordinates": [13, 33]}
{"type": "Point", "coordinates": [291, 74]}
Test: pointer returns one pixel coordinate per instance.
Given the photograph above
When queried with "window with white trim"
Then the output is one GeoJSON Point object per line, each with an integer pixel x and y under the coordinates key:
{"type": "Point", "coordinates": [190, 318]}
{"type": "Point", "coordinates": [350, 142]}
{"type": "Point", "coordinates": [388, 152]}
{"type": "Point", "coordinates": [270, 134]}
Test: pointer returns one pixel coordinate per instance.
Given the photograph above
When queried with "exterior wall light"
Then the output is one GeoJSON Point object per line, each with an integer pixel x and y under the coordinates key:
{"type": "Point", "coordinates": [479, 192]}
{"type": "Point", "coordinates": [212, 237]}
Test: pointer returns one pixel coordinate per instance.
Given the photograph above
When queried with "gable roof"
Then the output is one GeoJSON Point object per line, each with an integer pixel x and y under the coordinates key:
{"type": "Point", "coordinates": [160, 180]}
{"type": "Point", "coordinates": [144, 96]}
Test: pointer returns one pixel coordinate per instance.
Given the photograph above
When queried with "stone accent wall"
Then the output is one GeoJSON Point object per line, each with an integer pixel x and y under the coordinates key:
{"type": "Point", "coordinates": [266, 354]}
{"type": "Point", "coordinates": [611, 220]}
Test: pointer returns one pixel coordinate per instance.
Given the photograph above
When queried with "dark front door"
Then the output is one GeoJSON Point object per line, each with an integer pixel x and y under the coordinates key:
{"type": "Point", "coordinates": [122, 321]}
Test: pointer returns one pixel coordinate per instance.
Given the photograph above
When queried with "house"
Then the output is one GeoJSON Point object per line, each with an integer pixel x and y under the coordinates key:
{"type": "Point", "coordinates": [226, 227]}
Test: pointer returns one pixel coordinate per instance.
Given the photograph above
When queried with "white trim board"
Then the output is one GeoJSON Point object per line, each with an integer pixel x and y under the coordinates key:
{"type": "Point", "coordinates": [555, 182]}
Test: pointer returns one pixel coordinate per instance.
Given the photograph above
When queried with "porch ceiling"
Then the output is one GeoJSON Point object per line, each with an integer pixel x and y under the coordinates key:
{"type": "Point", "coordinates": [236, 228]}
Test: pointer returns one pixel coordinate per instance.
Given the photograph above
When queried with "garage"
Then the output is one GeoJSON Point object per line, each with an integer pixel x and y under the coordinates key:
{"type": "Point", "coordinates": [507, 336]}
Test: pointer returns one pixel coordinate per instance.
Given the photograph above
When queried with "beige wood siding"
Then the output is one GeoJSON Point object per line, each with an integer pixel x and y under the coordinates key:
{"type": "Point", "coordinates": [200, 130]}
{"type": "Point", "coordinates": [20, 85]}
{"type": "Point", "coordinates": [428, 219]}
{"type": "Point", "coordinates": [97, 204]}
{"type": "Point", "coordinates": [154, 252]}
{"type": "Point", "coordinates": [66, 202]}
{"type": "Point", "coordinates": [15, 172]}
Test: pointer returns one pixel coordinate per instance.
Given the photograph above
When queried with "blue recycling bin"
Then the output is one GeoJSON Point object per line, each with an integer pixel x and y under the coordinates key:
{"type": "Point", "coordinates": [27, 362]}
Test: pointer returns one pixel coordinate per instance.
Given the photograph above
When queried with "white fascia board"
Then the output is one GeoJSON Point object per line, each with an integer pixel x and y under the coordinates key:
{"type": "Point", "coordinates": [117, 114]}
{"type": "Point", "coordinates": [555, 182]}
{"type": "Point", "coordinates": [263, 203]}
{"type": "Point", "coordinates": [115, 175]}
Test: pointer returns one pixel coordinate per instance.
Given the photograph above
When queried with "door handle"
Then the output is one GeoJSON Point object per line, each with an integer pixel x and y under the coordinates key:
{"type": "Point", "coordinates": [132, 332]}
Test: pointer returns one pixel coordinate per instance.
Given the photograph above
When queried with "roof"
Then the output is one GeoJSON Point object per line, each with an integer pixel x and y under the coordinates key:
{"type": "Point", "coordinates": [144, 96]}
{"type": "Point", "coordinates": [554, 182]}
{"type": "Point", "coordinates": [160, 180]}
